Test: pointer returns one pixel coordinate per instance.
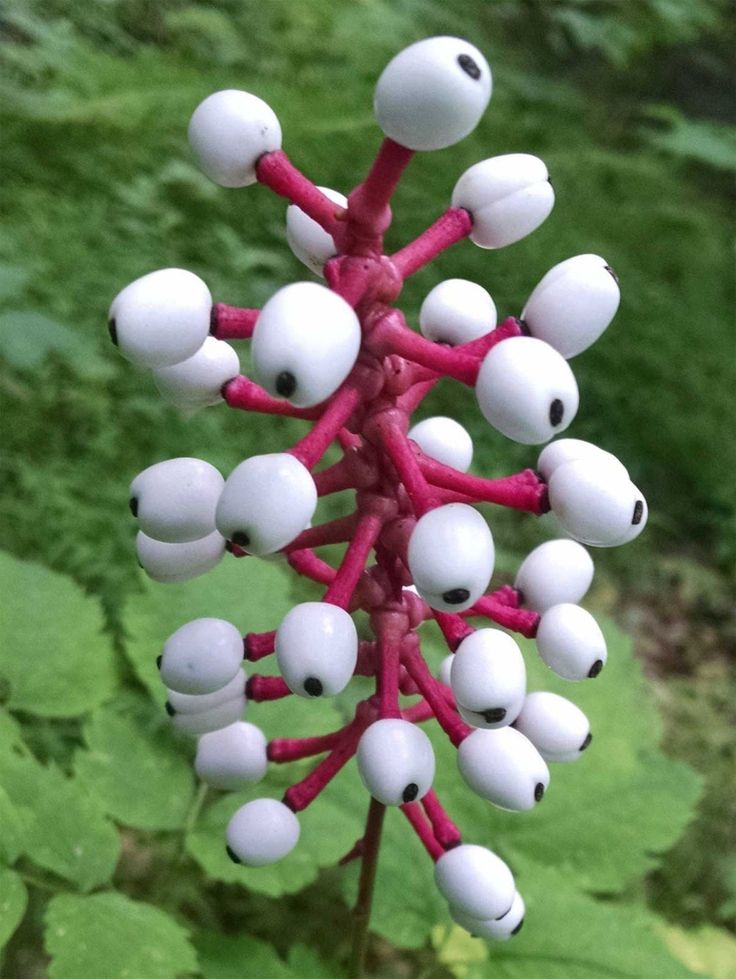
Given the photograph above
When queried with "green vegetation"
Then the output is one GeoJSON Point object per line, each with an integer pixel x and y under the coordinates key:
{"type": "Point", "coordinates": [110, 859]}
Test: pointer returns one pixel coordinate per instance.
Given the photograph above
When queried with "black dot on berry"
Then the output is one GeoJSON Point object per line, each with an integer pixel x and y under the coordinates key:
{"type": "Point", "coordinates": [169, 708]}
{"type": "Point", "coordinates": [525, 331]}
{"type": "Point", "coordinates": [112, 329]}
{"type": "Point", "coordinates": [538, 792]}
{"type": "Point", "coordinates": [518, 928]}
{"type": "Point", "coordinates": [638, 513]}
{"type": "Point", "coordinates": [232, 854]}
{"type": "Point", "coordinates": [493, 715]}
{"type": "Point", "coordinates": [313, 686]}
{"type": "Point", "coordinates": [612, 273]}
{"type": "Point", "coordinates": [556, 411]}
{"type": "Point", "coordinates": [595, 669]}
{"type": "Point", "coordinates": [240, 538]}
{"type": "Point", "coordinates": [502, 916]}
{"type": "Point", "coordinates": [285, 384]}
{"type": "Point", "coordinates": [158, 661]}
{"type": "Point", "coordinates": [410, 792]}
{"type": "Point", "coordinates": [456, 596]}
{"type": "Point", "coordinates": [133, 504]}
{"type": "Point", "coordinates": [469, 66]}
{"type": "Point", "coordinates": [213, 321]}
{"type": "Point", "coordinates": [586, 743]}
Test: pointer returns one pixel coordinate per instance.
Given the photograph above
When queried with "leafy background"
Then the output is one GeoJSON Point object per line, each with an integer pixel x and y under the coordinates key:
{"type": "Point", "coordinates": [111, 857]}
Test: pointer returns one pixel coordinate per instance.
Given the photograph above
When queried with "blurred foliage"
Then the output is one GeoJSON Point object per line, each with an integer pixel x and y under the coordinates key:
{"type": "Point", "coordinates": [631, 105]}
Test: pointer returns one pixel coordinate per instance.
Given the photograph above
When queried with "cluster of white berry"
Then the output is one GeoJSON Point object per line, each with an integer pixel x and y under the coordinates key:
{"type": "Point", "coordinates": [341, 356]}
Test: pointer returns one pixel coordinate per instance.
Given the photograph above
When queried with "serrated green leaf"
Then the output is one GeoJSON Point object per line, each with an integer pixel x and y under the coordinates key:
{"type": "Point", "coordinates": [233, 957]}
{"type": "Point", "coordinates": [13, 900]}
{"type": "Point", "coordinates": [65, 829]}
{"type": "Point", "coordinates": [135, 767]}
{"type": "Point", "coordinates": [12, 828]}
{"type": "Point", "coordinates": [53, 653]}
{"type": "Point", "coordinates": [609, 814]}
{"type": "Point", "coordinates": [109, 935]}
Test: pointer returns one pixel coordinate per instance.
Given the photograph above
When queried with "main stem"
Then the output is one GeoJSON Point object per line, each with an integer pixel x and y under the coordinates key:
{"type": "Point", "coordinates": [364, 902]}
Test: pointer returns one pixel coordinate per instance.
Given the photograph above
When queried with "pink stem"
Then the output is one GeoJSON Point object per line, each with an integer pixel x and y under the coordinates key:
{"type": "Point", "coordinates": [353, 563]}
{"type": "Point", "coordinates": [451, 227]}
{"type": "Point", "coordinates": [368, 203]}
{"type": "Point", "coordinates": [446, 832]}
{"type": "Point", "coordinates": [292, 749]}
{"type": "Point", "coordinates": [259, 644]}
{"type": "Point", "coordinates": [315, 443]}
{"type": "Point", "coordinates": [246, 395]}
{"type": "Point", "coordinates": [232, 323]}
{"type": "Point", "coordinates": [423, 829]}
{"type": "Point", "coordinates": [510, 492]}
{"type": "Point", "coordinates": [453, 628]}
{"type": "Point", "coordinates": [504, 331]}
{"type": "Point", "coordinates": [260, 688]}
{"type": "Point", "coordinates": [399, 450]}
{"type": "Point", "coordinates": [349, 279]}
{"type": "Point", "coordinates": [418, 713]}
{"type": "Point", "coordinates": [431, 690]}
{"type": "Point", "coordinates": [307, 564]}
{"type": "Point", "coordinates": [518, 620]}
{"type": "Point", "coordinates": [390, 628]}
{"type": "Point", "coordinates": [333, 532]}
{"type": "Point", "coordinates": [410, 401]}
{"type": "Point", "coordinates": [276, 171]}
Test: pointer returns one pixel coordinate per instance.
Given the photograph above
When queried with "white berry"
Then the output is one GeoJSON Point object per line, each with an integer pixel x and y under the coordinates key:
{"type": "Point", "coordinates": [445, 671]}
{"type": "Point", "coordinates": [495, 929]}
{"type": "Point", "coordinates": [571, 643]}
{"type": "Point", "coordinates": [445, 440]}
{"type": "Point", "coordinates": [201, 656]}
{"type": "Point", "coordinates": [317, 649]}
{"type": "Point", "coordinates": [489, 677]}
{"type": "Point", "coordinates": [507, 197]}
{"type": "Point", "coordinates": [174, 501]}
{"type": "Point", "coordinates": [433, 93]}
{"type": "Point", "coordinates": [573, 304]}
{"type": "Point", "coordinates": [395, 761]}
{"type": "Point", "coordinates": [556, 571]}
{"type": "Point", "coordinates": [451, 557]}
{"type": "Point", "coordinates": [560, 451]}
{"type": "Point", "coordinates": [232, 757]}
{"type": "Point", "coordinates": [305, 343]}
{"type": "Point", "coordinates": [595, 503]}
{"type": "Point", "coordinates": [198, 381]}
{"type": "Point", "coordinates": [212, 719]}
{"type": "Point", "coordinates": [228, 132]}
{"type": "Point", "coordinates": [526, 390]}
{"type": "Point", "coordinates": [170, 563]}
{"type": "Point", "coordinates": [195, 703]}
{"type": "Point", "coordinates": [266, 502]}
{"type": "Point", "coordinates": [503, 767]}
{"type": "Point", "coordinates": [457, 311]}
{"type": "Point", "coordinates": [556, 727]}
{"type": "Point", "coordinates": [262, 832]}
{"type": "Point", "coordinates": [311, 244]}
{"type": "Point", "coordinates": [475, 881]}
{"type": "Point", "coordinates": [161, 318]}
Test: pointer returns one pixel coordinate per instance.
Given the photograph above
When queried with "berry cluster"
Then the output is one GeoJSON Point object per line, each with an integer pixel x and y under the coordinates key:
{"type": "Point", "coordinates": [342, 356]}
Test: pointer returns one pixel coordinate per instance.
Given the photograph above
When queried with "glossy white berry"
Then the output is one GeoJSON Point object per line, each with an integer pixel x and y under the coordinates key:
{"type": "Point", "coordinates": [212, 719]}
{"type": "Point", "coordinates": [311, 244]}
{"type": "Point", "coordinates": [503, 767]}
{"type": "Point", "coordinates": [457, 311]}
{"type": "Point", "coordinates": [195, 703]}
{"type": "Point", "coordinates": [266, 502]}
{"type": "Point", "coordinates": [161, 318]}
{"type": "Point", "coordinates": [174, 501]}
{"type": "Point", "coordinates": [556, 571]}
{"type": "Point", "coordinates": [451, 557]}
{"type": "Point", "coordinates": [573, 304]}
{"type": "Point", "coordinates": [445, 671]}
{"type": "Point", "coordinates": [560, 451]}
{"type": "Point", "coordinates": [556, 727]}
{"type": "Point", "coordinates": [495, 929]}
{"type": "Point", "coordinates": [595, 503]}
{"type": "Point", "coordinates": [198, 381]}
{"type": "Point", "coordinates": [637, 525]}
{"type": "Point", "coordinates": [228, 132]}
{"type": "Point", "coordinates": [305, 343]}
{"type": "Point", "coordinates": [526, 390]}
{"type": "Point", "coordinates": [395, 761]}
{"type": "Point", "coordinates": [433, 93]}
{"type": "Point", "coordinates": [489, 677]}
{"type": "Point", "coordinates": [262, 832]}
{"type": "Point", "coordinates": [445, 440]}
{"type": "Point", "coordinates": [571, 643]}
{"type": "Point", "coordinates": [201, 656]}
{"type": "Point", "coordinates": [169, 563]}
{"type": "Point", "coordinates": [232, 757]}
{"type": "Point", "coordinates": [475, 881]}
{"type": "Point", "coordinates": [317, 649]}
{"type": "Point", "coordinates": [507, 197]}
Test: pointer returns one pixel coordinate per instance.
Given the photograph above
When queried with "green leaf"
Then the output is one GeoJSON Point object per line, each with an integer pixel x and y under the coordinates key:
{"type": "Point", "coordinates": [13, 900]}
{"type": "Point", "coordinates": [26, 338]}
{"type": "Point", "coordinates": [135, 767]}
{"type": "Point", "coordinates": [109, 935]}
{"type": "Point", "coordinates": [233, 957]}
{"type": "Point", "coordinates": [65, 829]}
{"type": "Point", "coordinates": [13, 280]}
{"type": "Point", "coordinates": [53, 653]}
{"type": "Point", "coordinates": [12, 832]}
{"type": "Point", "coordinates": [605, 816]}
{"type": "Point", "coordinates": [707, 951]}
{"type": "Point", "coordinates": [709, 143]}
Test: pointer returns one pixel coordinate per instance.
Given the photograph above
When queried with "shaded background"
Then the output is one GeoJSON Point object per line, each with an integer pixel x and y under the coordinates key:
{"type": "Point", "coordinates": [631, 106]}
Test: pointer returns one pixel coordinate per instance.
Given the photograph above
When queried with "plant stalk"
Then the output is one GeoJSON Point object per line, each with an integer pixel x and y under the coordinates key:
{"type": "Point", "coordinates": [364, 902]}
